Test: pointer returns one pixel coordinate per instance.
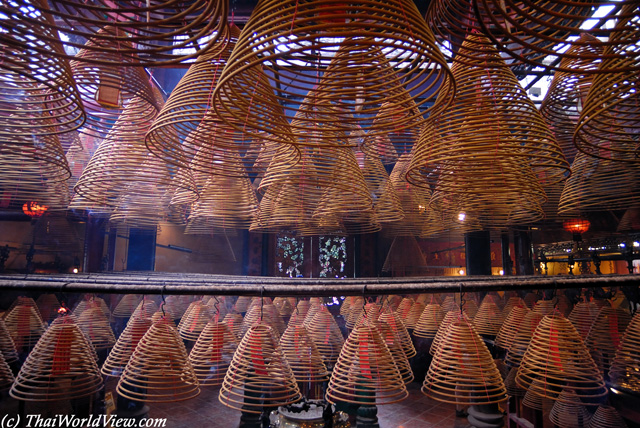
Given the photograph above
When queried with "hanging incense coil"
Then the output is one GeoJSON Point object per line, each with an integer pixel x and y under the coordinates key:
{"type": "Point", "coordinates": [146, 308]}
{"type": "Point", "coordinates": [96, 328]}
{"type": "Point", "coordinates": [399, 332]}
{"type": "Point", "coordinates": [159, 33]}
{"type": "Point", "coordinates": [449, 317]}
{"type": "Point", "coordinates": [48, 305]}
{"type": "Point", "coordinates": [488, 319]}
{"type": "Point", "coordinates": [368, 315]}
{"type": "Point", "coordinates": [607, 417]}
{"type": "Point", "coordinates": [315, 307]}
{"type": "Point", "coordinates": [234, 322]}
{"type": "Point", "coordinates": [326, 334]}
{"type": "Point", "coordinates": [212, 353]}
{"type": "Point", "coordinates": [194, 320]}
{"type": "Point", "coordinates": [90, 301]}
{"type": "Point", "coordinates": [582, 317]}
{"type": "Point", "coordinates": [521, 340]}
{"type": "Point", "coordinates": [540, 29]}
{"type": "Point", "coordinates": [25, 326]}
{"type": "Point", "coordinates": [625, 368]}
{"type": "Point", "coordinates": [126, 306]}
{"type": "Point", "coordinates": [242, 304]}
{"type": "Point", "coordinates": [398, 354]}
{"type": "Point", "coordinates": [568, 411]}
{"type": "Point", "coordinates": [159, 370]}
{"type": "Point", "coordinates": [557, 356]}
{"type": "Point", "coordinates": [6, 375]}
{"type": "Point", "coordinates": [359, 77]}
{"type": "Point", "coordinates": [462, 370]}
{"type": "Point", "coordinates": [62, 366]}
{"type": "Point", "coordinates": [414, 315]}
{"type": "Point", "coordinates": [267, 314]}
{"type": "Point", "coordinates": [25, 301]}
{"type": "Point", "coordinates": [365, 372]}
{"type": "Point", "coordinates": [284, 306]}
{"type": "Point", "coordinates": [535, 401]}
{"type": "Point", "coordinates": [302, 355]}
{"type": "Point", "coordinates": [404, 307]}
{"type": "Point", "coordinates": [124, 347]}
{"type": "Point", "coordinates": [7, 347]}
{"type": "Point", "coordinates": [544, 307]}
{"type": "Point", "coordinates": [27, 90]}
{"type": "Point", "coordinates": [259, 375]}
{"type": "Point", "coordinates": [386, 202]}
{"type": "Point", "coordinates": [513, 390]}
{"type": "Point", "coordinates": [429, 321]}
{"type": "Point", "coordinates": [605, 335]}
{"type": "Point", "coordinates": [511, 327]}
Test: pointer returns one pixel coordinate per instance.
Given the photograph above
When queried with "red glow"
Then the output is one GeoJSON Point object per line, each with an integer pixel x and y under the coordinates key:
{"type": "Point", "coordinates": [34, 209]}
{"type": "Point", "coordinates": [576, 225]}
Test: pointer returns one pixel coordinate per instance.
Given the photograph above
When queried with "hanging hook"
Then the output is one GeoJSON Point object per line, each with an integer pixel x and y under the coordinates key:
{"type": "Point", "coordinates": [554, 296]}
{"type": "Point", "coordinates": [364, 300]}
{"type": "Point", "coordinates": [164, 302]}
{"type": "Point", "coordinates": [462, 300]}
{"type": "Point", "coordinates": [261, 302]}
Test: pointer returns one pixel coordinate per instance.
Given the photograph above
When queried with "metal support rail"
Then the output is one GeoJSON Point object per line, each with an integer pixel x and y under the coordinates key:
{"type": "Point", "coordinates": [171, 283]}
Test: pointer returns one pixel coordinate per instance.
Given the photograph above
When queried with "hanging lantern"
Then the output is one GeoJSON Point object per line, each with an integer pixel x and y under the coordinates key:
{"type": "Point", "coordinates": [34, 209]}
{"type": "Point", "coordinates": [577, 226]}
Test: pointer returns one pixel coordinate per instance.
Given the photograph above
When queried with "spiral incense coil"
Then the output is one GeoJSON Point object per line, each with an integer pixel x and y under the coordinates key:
{"type": "Point", "coordinates": [326, 334]}
{"type": "Point", "coordinates": [462, 370]}
{"type": "Point", "coordinates": [488, 319]}
{"type": "Point", "coordinates": [414, 315]}
{"type": "Point", "coordinates": [568, 411]}
{"type": "Point", "coordinates": [25, 326]}
{"type": "Point", "coordinates": [521, 340]}
{"type": "Point", "coordinates": [62, 366]}
{"type": "Point", "coordinates": [607, 417]}
{"type": "Point", "coordinates": [158, 33]}
{"type": "Point", "coordinates": [6, 375]}
{"type": "Point", "coordinates": [28, 90]}
{"type": "Point", "coordinates": [7, 347]}
{"type": "Point", "coordinates": [234, 322]}
{"type": "Point", "coordinates": [159, 370]}
{"type": "Point", "coordinates": [540, 29]}
{"type": "Point", "coordinates": [124, 347]}
{"type": "Point", "coordinates": [399, 332]}
{"type": "Point", "coordinates": [242, 304]}
{"type": "Point", "coordinates": [625, 368]}
{"type": "Point", "coordinates": [296, 319]}
{"type": "Point", "coordinates": [605, 336]}
{"type": "Point", "coordinates": [146, 308]}
{"type": "Point", "coordinates": [359, 50]}
{"type": "Point", "coordinates": [449, 317]}
{"type": "Point", "coordinates": [96, 328]}
{"type": "Point", "coordinates": [303, 307]}
{"type": "Point", "coordinates": [393, 301]}
{"type": "Point", "coordinates": [397, 353]}
{"type": "Point", "coordinates": [512, 303]}
{"type": "Point", "coordinates": [557, 356]}
{"type": "Point", "coordinates": [212, 353]}
{"type": "Point", "coordinates": [365, 372]}
{"type": "Point", "coordinates": [302, 355]}
{"type": "Point", "coordinates": [544, 307]}
{"type": "Point", "coordinates": [314, 308]}
{"type": "Point", "coordinates": [348, 304]}
{"type": "Point", "coordinates": [404, 307]}
{"type": "Point", "coordinates": [126, 305]}
{"type": "Point", "coordinates": [194, 320]}
{"type": "Point", "coordinates": [535, 401]}
{"type": "Point", "coordinates": [513, 390]}
{"type": "Point", "coordinates": [25, 301]}
{"type": "Point", "coordinates": [510, 327]}
{"type": "Point", "coordinates": [173, 308]}
{"type": "Point", "coordinates": [429, 321]}
{"type": "Point", "coordinates": [90, 301]}
{"type": "Point", "coordinates": [267, 314]}
{"type": "Point", "coordinates": [259, 375]}
{"type": "Point", "coordinates": [284, 306]}
{"type": "Point", "coordinates": [582, 317]}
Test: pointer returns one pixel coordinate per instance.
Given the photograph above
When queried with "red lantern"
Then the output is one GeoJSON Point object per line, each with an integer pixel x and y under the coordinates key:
{"type": "Point", "coordinates": [576, 225]}
{"type": "Point", "coordinates": [34, 209]}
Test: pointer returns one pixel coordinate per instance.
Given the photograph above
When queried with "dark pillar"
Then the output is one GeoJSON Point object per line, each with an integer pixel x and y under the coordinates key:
{"type": "Point", "coordinates": [478, 252]}
{"type": "Point", "coordinates": [111, 249]}
{"type": "Point", "coordinates": [93, 244]}
{"type": "Point", "coordinates": [524, 252]}
{"type": "Point", "coordinates": [507, 263]}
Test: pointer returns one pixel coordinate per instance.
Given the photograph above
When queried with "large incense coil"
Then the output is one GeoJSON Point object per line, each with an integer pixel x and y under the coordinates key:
{"type": "Point", "coordinates": [511, 303]}
{"type": "Point", "coordinates": [234, 321]}
{"type": "Point", "coordinates": [242, 304]}
{"type": "Point", "coordinates": [365, 372]}
{"type": "Point", "coordinates": [48, 305]}
{"type": "Point", "coordinates": [25, 326]}
{"type": "Point", "coordinates": [449, 317]}
{"type": "Point", "coordinates": [569, 412]}
{"type": "Point", "coordinates": [259, 375]}
{"type": "Point", "coordinates": [194, 320]}
{"type": "Point", "coordinates": [126, 306]}
{"type": "Point", "coordinates": [266, 314]}
{"type": "Point", "coordinates": [568, 92]}
{"type": "Point", "coordinates": [90, 301]}
{"type": "Point", "coordinates": [607, 417]}
{"type": "Point", "coordinates": [212, 353]}
{"type": "Point", "coordinates": [404, 307]}
{"type": "Point", "coordinates": [392, 340]}
{"type": "Point", "coordinates": [359, 78]}
{"type": "Point", "coordinates": [7, 347]}
{"type": "Point", "coordinates": [349, 303]}
{"type": "Point", "coordinates": [510, 327]}
{"type": "Point", "coordinates": [327, 336]}
{"type": "Point", "coordinates": [625, 368]}
{"type": "Point", "coordinates": [158, 33]}
{"type": "Point", "coordinates": [540, 29]}
{"type": "Point", "coordinates": [393, 301]}
{"type": "Point", "coordinates": [27, 90]}
{"type": "Point", "coordinates": [123, 349]}
{"type": "Point", "coordinates": [25, 301]}
{"type": "Point", "coordinates": [544, 307]}
{"type": "Point", "coordinates": [302, 355]}
{"type": "Point", "coordinates": [488, 319]}
{"type": "Point", "coordinates": [61, 366]}
{"type": "Point", "coordinates": [368, 315]}
{"type": "Point", "coordinates": [399, 332]}
{"type": "Point", "coordinates": [513, 390]}
{"type": "Point", "coordinates": [462, 370]}
{"type": "Point", "coordinates": [521, 340]}
{"type": "Point", "coordinates": [557, 356]}
{"type": "Point", "coordinates": [429, 321]}
{"type": "Point", "coordinates": [295, 319]}
{"type": "Point", "coordinates": [146, 308]}
{"type": "Point", "coordinates": [414, 315]}
{"type": "Point", "coordinates": [535, 401]}
{"type": "Point", "coordinates": [96, 328]}
{"type": "Point", "coordinates": [6, 375]}
{"type": "Point", "coordinates": [582, 317]}
{"type": "Point", "coordinates": [315, 307]}
{"type": "Point", "coordinates": [605, 336]}
{"type": "Point", "coordinates": [159, 370]}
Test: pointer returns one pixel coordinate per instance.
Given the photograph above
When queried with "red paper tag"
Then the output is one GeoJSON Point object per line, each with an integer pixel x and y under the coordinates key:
{"type": "Point", "coordinates": [62, 352]}
{"type": "Point", "coordinates": [365, 363]}
{"type": "Point", "coordinates": [216, 345]}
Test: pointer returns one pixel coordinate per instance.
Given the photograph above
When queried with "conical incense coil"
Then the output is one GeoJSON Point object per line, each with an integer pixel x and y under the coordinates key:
{"type": "Point", "coordinates": [569, 412]}
{"type": "Point", "coordinates": [521, 340]}
{"type": "Point", "coordinates": [510, 327]}
{"type": "Point", "coordinates": [535, 401]}
{"type": "Point", "coordinates": [513, 390]}
{"type": "Point", "coordinates": [582, 317]}
{"type": "Point", "coordinates": [159, 370]}
{"type": "Point", "coordinates": [488, 319]}
{"type": "Point", "coordinates": [414, 314]}
{"type": "Point", "coordinates": [194, 320]}
{"type": "Point", "coordinates": [397, 353]}
{"type": "Point", "coordinates": [259, 375]}
{"type": "Point", "coordinates": [24, 326]}
{"type": "Point", "coordinates": [7, 347]}
{"type": "Point", "coordinates": [365, 372]}
{"type": "Point", "coordinates": [234, 321]}
{"type": "Point", "coordinates": [267, 314]}
{"type": "Point", "coordinates": [146, 308]}
{"type": "Point", "coordinates": [544, 307]}
{"type": "Point", "coordinates": [429, 321]}
{"type": "Point", "coordinates": [124, 347]}
{"type": "Point", "coordinates": [386, 202]}
{"type": "Point", "coordinates": [314, 308]}
{"type": "Point", "coordinates": [6, 375]}
{"type": "Point", "coordinates": [212, 353]}
{"type": "Point", "coordinates": [25, 301]}
{"type": "Point", "coordinates": [96, 327]}
{"type": "Point", "coordinates": [605, 336]}
{"type": "Point", "coordinates": [449, 317]}
{"type": "Point", "coordinates": [369, 315]}
{"type": "Point", "coordinates": [126, 306]}
{"type": "Point", "coordinates": [303, 356]}
{"type": "Point", "coordinates": [607, 417]}
{"type": "Point", "coordinates": [284, 306]}
{"type": "Point", "coordinates": [404, 307]}
{"type": "Point", "coordinates": [625, 368]}
{"type": "Point", "coordinates": [62, 366]}
{"type": "Point", "coordinates": [327, 336]}
{"type": "Point", "coordinates": [399, 331]}
{"type": "Point", "coordinates": [462, 370]}
{"type": "Point", "coordinates": [557, 356]}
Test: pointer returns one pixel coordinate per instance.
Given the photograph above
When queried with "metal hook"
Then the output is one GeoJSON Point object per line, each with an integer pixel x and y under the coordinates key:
{"type": "Point", "coordinates": [164, 302]}
{"type": "Point", "coordinates": [462, 300]}
{"type": "Point", "coordinates": [261, 302]}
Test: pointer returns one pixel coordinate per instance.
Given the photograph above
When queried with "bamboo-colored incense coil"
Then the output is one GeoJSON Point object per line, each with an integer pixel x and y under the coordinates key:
{"type": "Point", "coordinates": [569, 412]}
{"type": "Point", "coordinates": [488, 319]}
{"type": "Point", "coordinates": [605, 336]}
{"type": "Point", "coordinates": [159, 370]}
{"type": "Point", "coordinates": [234, 321]}
{"type": "Point", "coordinates": [242, 304]}
{"type": "Point", "coordinates": [48, 305]}
{"type": "Point", "coordinates": [326, 334]}
{"type": "Point", "coordinates": [397, 353]}
{"type": "Point", "coordinates": [535, 401]}
{"type": "Point", "coordinates": [365, 372]}
{"type": "Point", "coordinates": [62, 366]}
{"type": "Point", "coordinates": [541, 27]}
{"type": "Point", "coordinates": [124, 347]}
{"type": "Point", "coordinates": [625, 368]}
{"type": "Point", "coordinates": [449, 317]}
{"type": "Point", "coordinates": [511, 326]}
{"type": "Point", "coordinates": [259, 375]}
{"type": "Point", "coordinates": [607, 417]}
{"type": "Point", "coordinates": [25, 301]}
{"type": "Point", "coordinates": [267, 314]}
{"type": "Point", "coordinates": [96, 327]}
{"type": "Point", "coordinates": [90, 301]}
{"type": "Point", "coordinates": [429, 321]}
{"type": "Point", "coordinates": [126, 305]}
{"type": "Point", "coordinates": [386, 202]}
{"type": "Point", "coordinates": [212, 353]}
{"type": "Point", "coordinates": [462, 370]}
{"type": "Point", "coordinates": [582, 317]}
{"type": "Point", "coordinates": [302, 354]}
{"type": "Point", "coordinates": [470, 307]}
{"type": "Point", "coordinates": [404, 307]}
{"type": "Point", "coordinates": [414, 315]}
{"type": "Point", "coordinates": [295, 319]}
{"type": "Point", "coordinates": [557, 356]}
{"type": "Point", "coordinates": [313, 310]}
{"type": "Point", "coordinates": [146, 308]}
{"type": "Point", "coordinates": [399, 331]}
{"type": "Point", "coordinates": [25, 326]}
{"type": "Point", "coordinates": [564, 305]}
{"type": "Point", "coordinates": [194, 320]}
{"type": "Point", "coordinates": [347, 304]}
{"type": "Point", "coordinates": [521, 340]}
{"type": "Point", "coordinates": [513, 390]}
{"type": "Point", "coordinates": [7, 347]}
{"type": "Point", "coordinates": [393, 301]}
{"type": "Point", "coordinates": [369, 315]}
{"type": "Point", "coordinates": [544, 307]}
{"type": "Point", "coordinates": [6, 375]}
